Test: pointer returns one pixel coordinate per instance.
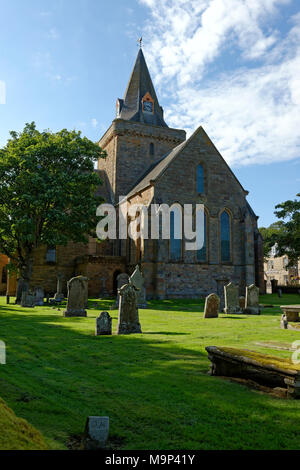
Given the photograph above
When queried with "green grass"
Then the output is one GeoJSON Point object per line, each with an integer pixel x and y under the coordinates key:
{"type": "Point", "coordinates": [16, 433]}
{"type": "Point", "coordinates": [154, 386]}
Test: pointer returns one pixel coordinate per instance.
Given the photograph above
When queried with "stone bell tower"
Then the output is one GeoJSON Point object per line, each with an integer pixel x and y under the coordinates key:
{"type": "Point", "coordinates": [138, 137]}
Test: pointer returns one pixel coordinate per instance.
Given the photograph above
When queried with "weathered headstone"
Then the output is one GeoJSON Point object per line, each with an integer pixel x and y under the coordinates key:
{"type": "Point", "coordinates": [96, 433]}
{"type": "Point", "coordinates": [212, 306]}
{"type": "Point", "coordinates": [137, 280]}
{"type": "Point", "coordinates": [28, 300]}
{"type": "Point", "coordinates": [269, 287]}
{"type": "Point", "coordinates": [59, 289]}
{"type": "Point", "coordinates": [252, 299]}
{"type": "Point", "coordinates": [76, 297]}
{"type": "Point", "coordinates": [20, 288]}
{"type": "Point", "coordinates": [39, 296]}
{"type": "Point", "coordinates": [103, 324]}
{"type": "Point", "coordinates": [279, 293]}
{"type": "Point", "coordinates": [128, 311]}
{"type": "Point", "coordinates": [231, 295]}
{"type": "Point", "coordinates": [242, 302]}
{"type": "Point", "coordinates": [122, 279]}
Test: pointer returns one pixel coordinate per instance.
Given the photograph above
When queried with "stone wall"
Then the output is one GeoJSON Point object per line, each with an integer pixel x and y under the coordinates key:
{"type": "Point", "coordinates": [128, 151]}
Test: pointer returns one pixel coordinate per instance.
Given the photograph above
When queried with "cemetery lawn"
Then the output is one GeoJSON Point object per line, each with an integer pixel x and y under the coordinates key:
{"type": "Point", "coordinates": [153, 386]}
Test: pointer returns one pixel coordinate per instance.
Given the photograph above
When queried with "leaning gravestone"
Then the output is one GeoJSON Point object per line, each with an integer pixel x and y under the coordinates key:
{"type": "Point", "coordinates": [76, 297]}
{"type": "Point", "coordinates": [28, 300]}
{"type": "Point", "coordinates": [122, 279]}
{"type": "Point", "coordinates": [137, 280]}
{"type": "Point", "coordinates": [96, 433]}
{"type": "Point", "coordinates": [252, 299]}
{"type": "Point", "coordinates": [128, 311]}
{"type": "Point", "coordinates": [59, 296]}
{"type": "Point", "coordinates": [212, 306]}
{"type": "Point", "coordinates": [39, 296]}
{"type": "Point", "coordinates": [231, 295]}
{"type": "Point", "coordinates": [103, 324]}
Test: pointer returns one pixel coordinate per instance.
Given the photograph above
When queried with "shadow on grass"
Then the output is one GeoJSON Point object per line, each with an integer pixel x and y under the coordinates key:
{"type": "Point", "coordinates": [157, 392]}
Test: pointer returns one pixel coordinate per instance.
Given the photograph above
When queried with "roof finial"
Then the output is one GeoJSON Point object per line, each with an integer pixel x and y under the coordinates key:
{"type": "Point", "coordinates": [140, 42]}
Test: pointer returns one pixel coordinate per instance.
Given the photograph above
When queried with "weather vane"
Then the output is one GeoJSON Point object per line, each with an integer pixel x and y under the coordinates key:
{"type": "Point", "coordinates": [140, 42]}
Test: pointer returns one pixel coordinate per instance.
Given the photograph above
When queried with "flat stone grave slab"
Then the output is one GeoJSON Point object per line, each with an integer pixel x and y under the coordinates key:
{"type": "Point", "coordinates": [267, 370]}
{"type": "Point", "coordinates": [291, 312]}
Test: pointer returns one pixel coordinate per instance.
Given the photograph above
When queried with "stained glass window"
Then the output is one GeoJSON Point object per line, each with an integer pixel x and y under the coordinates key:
{"type": "Point", "coordinates": [201, 254]}
{"type": "Point", "coordinates": [225, 237]}
{"type": "Point", "coordinates": [175, 243]}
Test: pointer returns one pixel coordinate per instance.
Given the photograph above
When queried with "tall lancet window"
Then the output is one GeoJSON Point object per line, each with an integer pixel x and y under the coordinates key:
{"type": "Point", "coordinates": [202, 253]}
{"type": "Point", "coordinates": [225, 233]}
{"type": "Point", "coordinates": [175, 233]}
{"type": "Point", "coordinates": [200, 179]}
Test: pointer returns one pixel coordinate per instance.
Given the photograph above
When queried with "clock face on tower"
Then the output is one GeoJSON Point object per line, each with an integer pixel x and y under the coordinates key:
{"type": "Point", "coordinates": [148, 106]}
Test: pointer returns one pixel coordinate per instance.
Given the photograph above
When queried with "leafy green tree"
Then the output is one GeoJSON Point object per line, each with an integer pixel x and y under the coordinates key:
{"type": "Point", "coordinates": [47, 192]}
{"type": "Point", "coordinates": [288, 240]}
{"type": "Point", "coordinates": [269, 234]}
{"type": "Point", "coordinates": [286, 232]}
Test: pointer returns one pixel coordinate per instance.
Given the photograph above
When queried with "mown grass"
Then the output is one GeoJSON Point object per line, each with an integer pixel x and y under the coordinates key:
{"type": "Point", "coordinates": [153, 386]}
{"type": "Point", "coordinates": [16, 433]}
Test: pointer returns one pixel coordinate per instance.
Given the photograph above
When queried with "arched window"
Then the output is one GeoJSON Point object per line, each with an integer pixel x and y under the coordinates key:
{"type": "Point", "coordinates": [225, 237]}
{"type": "Point", "coordinates": [151, 149]}
{"type": "Point", "coordinates": [202, 253]}
{"type": "Point", "coordinates": [200, 179]}
{"type": "Point", "coordinates": [175, 233]}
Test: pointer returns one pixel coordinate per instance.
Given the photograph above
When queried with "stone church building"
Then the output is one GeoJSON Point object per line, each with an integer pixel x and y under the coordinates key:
{"type": "Point", "coordinates": [149, 162]}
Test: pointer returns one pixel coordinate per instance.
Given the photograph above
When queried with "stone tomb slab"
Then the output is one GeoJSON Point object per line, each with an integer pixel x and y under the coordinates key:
{"type": "Point", "coordinates": [264, 369]}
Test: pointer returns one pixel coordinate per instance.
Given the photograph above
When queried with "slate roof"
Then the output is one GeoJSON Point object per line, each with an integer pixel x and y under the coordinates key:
{"type": "Point", "coordinates": [139, 84]}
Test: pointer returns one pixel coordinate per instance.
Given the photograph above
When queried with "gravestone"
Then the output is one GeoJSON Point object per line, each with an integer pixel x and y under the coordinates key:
{"type": "Point", "coordinates": [128, 311]}
{"type": "Point", "coordinates": [39, 296]}
{"type": "Point", "coordinates": [96, 433]}
{"type": "Point", "coordinates": [279, 293]}
{"type": "Point", "coordinates": [269, 287]}
{"type": "Point", "coordinates": [212, 306]}
{"type": "Point", "coordinates": [137, 280]}
{"type": "Point", "coordinates": [231, 295]}
{"type": "Point", "coordinates": [76, 297]}
{"type": "Point", "coordinates": [59, 288]}
{"type": "Point", "coordinates": [103, 324]}
{"type": "Point", "coordinates": [86, 281]}
{"type": "Point", "coordinates": [28, 300]}
{"type": "Point", "coordinates": [242, 302]}
{"type": "Point", "coordinates": [252, 299]}
{"type": "Point", "coordinates": [20, 288]}
{"type": "Point", "coordinates": [122, 279]}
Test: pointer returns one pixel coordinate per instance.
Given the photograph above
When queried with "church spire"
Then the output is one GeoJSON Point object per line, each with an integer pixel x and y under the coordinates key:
{"type": "Point", "coordinates": [140, 103]}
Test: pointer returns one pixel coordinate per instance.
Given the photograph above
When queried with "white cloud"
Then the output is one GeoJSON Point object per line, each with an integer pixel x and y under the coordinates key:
{"type": "Point", "coordinates": [53, 34]}
{"type": "Point", "coordinates": [2, 92]}
{"type": "Point", "coordinates": [94, 123]}
{"type": "Point", "coordinates": [251, 111]}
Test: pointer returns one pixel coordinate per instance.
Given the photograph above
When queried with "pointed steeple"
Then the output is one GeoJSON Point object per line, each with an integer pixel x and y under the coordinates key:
{"type": "Point", "coordinates": [140, 103]}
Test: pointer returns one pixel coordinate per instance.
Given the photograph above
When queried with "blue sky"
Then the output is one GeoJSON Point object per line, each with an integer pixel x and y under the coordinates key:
{"type": "Point", "coordinates": [232, 66]}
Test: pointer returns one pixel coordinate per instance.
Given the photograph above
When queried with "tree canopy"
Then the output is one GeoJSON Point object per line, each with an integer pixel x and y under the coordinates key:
{"type": "Point", "coordinates": [47, 192]}
{"type": "Point", "coordinates": [285, 233]}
